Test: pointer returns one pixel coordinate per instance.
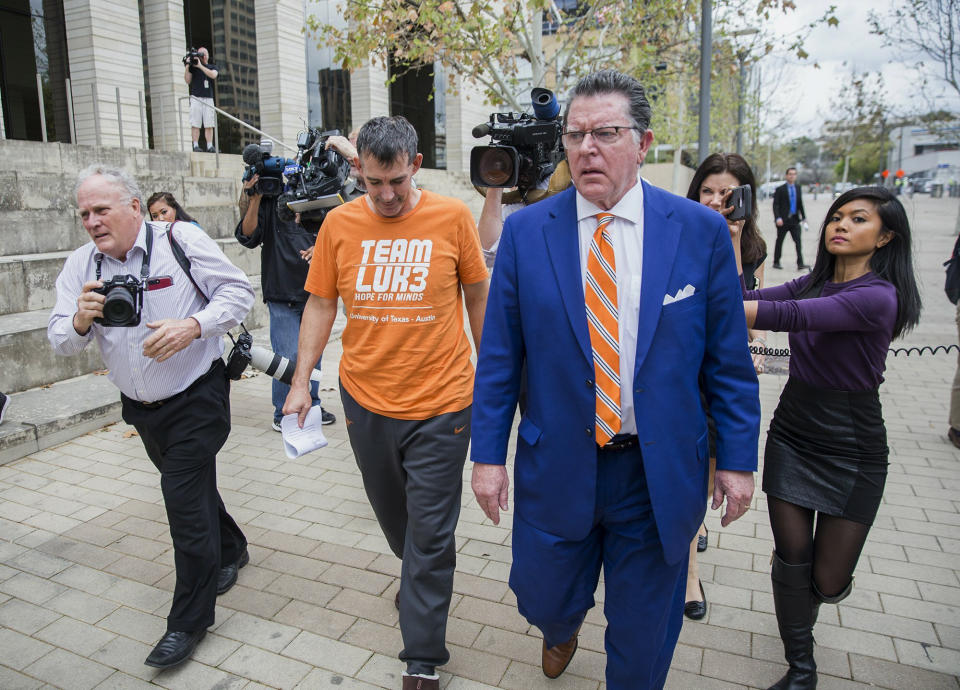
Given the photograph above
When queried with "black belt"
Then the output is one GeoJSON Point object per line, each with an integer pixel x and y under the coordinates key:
{"type": "Point", "coordinates": [621, 442]}
{"type": "Point", "coordinates": [157, 404]}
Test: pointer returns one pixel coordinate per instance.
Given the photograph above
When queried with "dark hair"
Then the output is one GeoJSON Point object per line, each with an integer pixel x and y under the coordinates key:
{"type": "Point", "coordinates": [387, 139]}
{"type": "Point", "coordinates": [893, 261]}
{"type": "Point", "coordinates": [169, 200]}
{"type": "Point", "coordinates": [752, 244]}
{"type": "Point", "coordinates": [787, 171]}
{"type": "Point", "coordinates": [611, 81]}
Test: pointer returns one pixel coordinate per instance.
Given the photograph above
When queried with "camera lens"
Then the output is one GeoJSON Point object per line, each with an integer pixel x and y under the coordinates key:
{"type": "Point", "coordinates": [495, 167]}
{"type": "Point", "coordinates": [118, 306]}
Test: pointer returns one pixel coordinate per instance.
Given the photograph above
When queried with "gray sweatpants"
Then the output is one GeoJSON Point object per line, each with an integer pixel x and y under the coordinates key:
{"type": "Point", "coordinates": [412, 472]}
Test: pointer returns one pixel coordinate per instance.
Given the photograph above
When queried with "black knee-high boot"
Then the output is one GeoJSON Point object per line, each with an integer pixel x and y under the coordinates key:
{"type": "Point", "coordinates": [796, 608]}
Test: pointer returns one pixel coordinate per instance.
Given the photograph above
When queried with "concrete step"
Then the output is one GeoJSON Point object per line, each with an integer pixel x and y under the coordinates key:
{"type": "Point", "coordinates": [29, 361]}
{"type": "Point", "coordinates": [38, 214]}
{"type": "Point", "coordinates": [43, 417]}
{"type": "Point", "coordinates": [28, 281]}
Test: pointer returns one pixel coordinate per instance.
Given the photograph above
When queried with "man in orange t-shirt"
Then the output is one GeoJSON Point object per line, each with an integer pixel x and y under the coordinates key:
{"type": "Point", "coordinates": [404, 261]}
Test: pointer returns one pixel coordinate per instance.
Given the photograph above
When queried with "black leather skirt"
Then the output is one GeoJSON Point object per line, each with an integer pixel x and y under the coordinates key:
{"type": "Point", "coordinates": [827, 450]}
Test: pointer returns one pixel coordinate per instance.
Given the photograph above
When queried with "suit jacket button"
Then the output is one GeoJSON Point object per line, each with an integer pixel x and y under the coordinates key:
{"type": "Point", "coordinates": [589, 383]}
{"type": "Point", "coordinates": [589, 431]}
{"type": "Point", "coordinates": [639, 390]}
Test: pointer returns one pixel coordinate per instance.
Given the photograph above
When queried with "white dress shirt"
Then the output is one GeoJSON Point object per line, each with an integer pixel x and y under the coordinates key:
{"type": "Point", "coordinates": [139, 377]}
{"type": "Point", "coordinates": [626, 233]}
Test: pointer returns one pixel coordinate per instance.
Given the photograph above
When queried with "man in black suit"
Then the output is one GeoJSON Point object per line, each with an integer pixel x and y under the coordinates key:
{"type": "Point", "coordinates": [788, 212]}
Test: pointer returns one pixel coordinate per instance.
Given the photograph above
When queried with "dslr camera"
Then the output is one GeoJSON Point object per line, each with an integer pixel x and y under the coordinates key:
{"type": "Point", "coordinates": [123, 301]}
{"type": "Point", "coordinates": [524, 149]}
{"type": "Point", "coordinates": [192, 57]}
{"type": "Point", "coordinates": [317, 180]}
{"type": "Point", "coordinates": [240, 356]}
{"type": "Point", "coordinates": [270, 168]}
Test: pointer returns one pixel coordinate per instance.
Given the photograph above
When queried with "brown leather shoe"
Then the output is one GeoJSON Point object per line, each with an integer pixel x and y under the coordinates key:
{"type": "Point", "coordinates": [556, 659]}
{"type": "Point", "coordinates": [420, 683]}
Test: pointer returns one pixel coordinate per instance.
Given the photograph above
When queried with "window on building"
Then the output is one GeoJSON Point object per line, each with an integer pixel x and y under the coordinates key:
{"type": "Point", "coordinates": [413, 95]}
{"type": "Point", "coordinates": [935, 147]}
{"type": "Point", "coordinates": [33, 43]}
{"type": "Point", "coordinates": [335, 110]}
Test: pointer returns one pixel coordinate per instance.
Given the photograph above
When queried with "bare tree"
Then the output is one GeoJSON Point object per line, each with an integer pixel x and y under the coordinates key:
{"type": "Point", "coordinates": [923, 30]}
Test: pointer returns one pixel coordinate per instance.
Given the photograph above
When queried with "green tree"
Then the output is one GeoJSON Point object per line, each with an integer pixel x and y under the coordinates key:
{"type": "Point", "coordinates": [858, 132]}
{"type": "Point", "coordinates": [505, 46]}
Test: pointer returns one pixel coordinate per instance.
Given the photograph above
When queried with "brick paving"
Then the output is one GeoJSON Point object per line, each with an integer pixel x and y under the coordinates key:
{"type": "Point", "coordinates": [86, 566]}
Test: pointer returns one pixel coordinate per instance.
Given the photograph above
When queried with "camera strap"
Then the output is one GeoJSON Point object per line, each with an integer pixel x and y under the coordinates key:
{"type": "Point", "coordinates": [184, 261]}
{"type": "Point", "coordinates": [145, 265]}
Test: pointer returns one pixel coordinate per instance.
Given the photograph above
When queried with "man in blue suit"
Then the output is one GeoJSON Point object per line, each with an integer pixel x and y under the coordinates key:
{"type": "Point", "coordinates": [612, 477]}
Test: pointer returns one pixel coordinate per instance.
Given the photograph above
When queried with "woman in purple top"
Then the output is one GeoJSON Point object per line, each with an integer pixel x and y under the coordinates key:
{"type": "Point", "coordinates": [826, 452]}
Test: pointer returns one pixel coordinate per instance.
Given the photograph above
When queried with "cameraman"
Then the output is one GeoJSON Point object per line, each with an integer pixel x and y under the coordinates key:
{"type": "Point", "coordinates": [170, 375]}
{"type": "Point", "coordinates": [199, 74]}
{"type": "Point", "coordinates": [284, 260]}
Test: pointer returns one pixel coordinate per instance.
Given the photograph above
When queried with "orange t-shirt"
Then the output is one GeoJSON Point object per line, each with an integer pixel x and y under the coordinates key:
{"type": "Point", "coordinates": [405, 353]}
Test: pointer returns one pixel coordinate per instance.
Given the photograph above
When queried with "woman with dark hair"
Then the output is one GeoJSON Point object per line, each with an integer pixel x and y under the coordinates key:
{"type": "Point", "coordinates": [164, 207]}
{"type": "Point", "coordinates": [711, 186]}
{"type": "Point", "coordinates": [825, 462]}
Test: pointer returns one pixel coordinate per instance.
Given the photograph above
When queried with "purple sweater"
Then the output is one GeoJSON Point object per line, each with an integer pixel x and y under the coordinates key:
{"type": "Point", "coordinates": [839, 340]}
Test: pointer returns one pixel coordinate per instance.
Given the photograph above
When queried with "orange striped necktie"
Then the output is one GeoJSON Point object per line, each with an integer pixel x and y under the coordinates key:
{"type": "Point", "coordinates": [602, 320]}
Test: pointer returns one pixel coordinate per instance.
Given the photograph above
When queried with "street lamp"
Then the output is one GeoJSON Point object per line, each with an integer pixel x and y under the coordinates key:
{"type": "Point", "coordinates": [706, 50]}
{"type": "Point", "coordinates": [742, 57]}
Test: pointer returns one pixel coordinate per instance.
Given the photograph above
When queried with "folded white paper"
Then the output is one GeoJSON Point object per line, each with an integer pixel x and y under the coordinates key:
{"type": "Point", "coordinates": [297, 441]}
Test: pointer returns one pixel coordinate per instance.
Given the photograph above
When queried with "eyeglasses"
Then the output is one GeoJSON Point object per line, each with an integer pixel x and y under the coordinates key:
{"type": "Point", "coordinates": [602, 135]}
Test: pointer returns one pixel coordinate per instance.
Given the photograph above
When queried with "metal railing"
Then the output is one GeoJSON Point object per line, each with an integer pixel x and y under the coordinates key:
{"type": "Point", "coordinates": [95, 98]}
{"type": "Point", "coordinates": [216, 132]}
{"type": "Point", "coordinates": [157, 118]}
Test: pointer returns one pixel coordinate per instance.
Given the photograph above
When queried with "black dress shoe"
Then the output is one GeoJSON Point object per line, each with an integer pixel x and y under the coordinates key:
{"type": "Point", "coordinates": [696, 610]}
{"type": "Point", "coordinates": [227, 577]}
{"type": "Point", "coordinates": [803, 267]}
{"type": "Point", "coordinates": [776, 265]}
{"type": "Point", "coordinates": [702, 540]}
{"type": "Point", "coordinates": [174, 647]}
{"type": "Point", "coordinates": [954, 436]}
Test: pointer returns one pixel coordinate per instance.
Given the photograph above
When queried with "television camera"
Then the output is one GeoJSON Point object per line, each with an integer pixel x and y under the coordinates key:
{"type": "Point", "coordinates": [192, 57]}
{"type": "Point", "coordinates": [270, 168]}
{"type": "Point", "coordinates": [524, 149]}
{"type": "Point", "coordinates": [317, 180]}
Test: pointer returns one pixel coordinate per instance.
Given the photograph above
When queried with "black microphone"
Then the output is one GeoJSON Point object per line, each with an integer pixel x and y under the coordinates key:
{"type": "Point", "coordinates": [481, 130]}
{"type": "Point", "coordinates": [251, 154]}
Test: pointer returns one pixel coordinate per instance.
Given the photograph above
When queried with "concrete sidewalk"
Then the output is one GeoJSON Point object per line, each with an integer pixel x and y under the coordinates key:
{"type": "Point", "coordinates": [86, 566]}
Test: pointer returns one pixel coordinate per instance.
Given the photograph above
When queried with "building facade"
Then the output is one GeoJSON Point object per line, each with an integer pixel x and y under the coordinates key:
{"type": "Point", "coordinates": [922, 151]}
{"type": "Point", "coordinates": [110, 73]}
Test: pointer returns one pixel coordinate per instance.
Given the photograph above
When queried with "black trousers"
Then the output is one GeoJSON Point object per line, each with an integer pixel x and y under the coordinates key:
{"type": "Point", "coordinates": [791, 225]}
{"type": "Point", "coordinates": [413, 474]}
{"type": "Point", "coordinates": [182, 437]}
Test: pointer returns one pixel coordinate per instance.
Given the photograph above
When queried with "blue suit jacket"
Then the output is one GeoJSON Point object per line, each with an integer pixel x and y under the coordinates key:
{"type": "Point", "coordinates": [535, 312]}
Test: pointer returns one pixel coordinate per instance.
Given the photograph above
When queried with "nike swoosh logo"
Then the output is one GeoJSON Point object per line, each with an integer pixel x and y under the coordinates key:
{"type": "Point", "coordinates": [349, 421]}
{"type": "Point", "coordinates": [458, 429]}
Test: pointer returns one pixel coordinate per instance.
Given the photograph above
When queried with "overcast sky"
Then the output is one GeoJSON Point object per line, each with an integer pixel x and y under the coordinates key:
{"type": "Point", "coordinates": [807, 91]}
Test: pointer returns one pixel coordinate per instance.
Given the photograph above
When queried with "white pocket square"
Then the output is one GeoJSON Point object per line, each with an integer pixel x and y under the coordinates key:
{"type": "Point", "coordinates": [681, 294]}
